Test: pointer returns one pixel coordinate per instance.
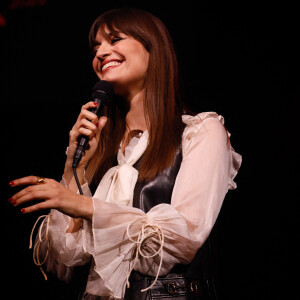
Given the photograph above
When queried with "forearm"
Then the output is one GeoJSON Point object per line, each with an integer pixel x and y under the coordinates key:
{"type": "Point", "coordinates": [75, 223]}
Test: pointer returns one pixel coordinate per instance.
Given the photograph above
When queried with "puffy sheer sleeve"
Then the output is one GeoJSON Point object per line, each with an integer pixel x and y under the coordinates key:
{"type": "Point", "coordinates": [62, 251]}
{"type": "Point", "coordinates": [126, 238]}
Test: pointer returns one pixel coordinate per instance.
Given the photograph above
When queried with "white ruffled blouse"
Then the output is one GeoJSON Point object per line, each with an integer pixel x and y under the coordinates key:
{"type": "Point", "coordinates": [174, 232]}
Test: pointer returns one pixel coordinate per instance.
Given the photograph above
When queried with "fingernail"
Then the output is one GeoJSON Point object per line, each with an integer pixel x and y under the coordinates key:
{"type": "Point", "coordinates": [96, 103]}
{"type": "Point", "coordinates": [22, 210]}
{"type": "Point", "coordinates": [97, 124]}
{"type": "Point", "coordinates": [10, 199]}
{"type": "Point", "coordinates": [11, 183]}
{"type": "Point", "coordinates": [13, 202]}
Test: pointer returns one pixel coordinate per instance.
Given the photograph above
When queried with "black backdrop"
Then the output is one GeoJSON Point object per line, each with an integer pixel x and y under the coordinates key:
{"type": "Point", "coordinates": [237, 58]}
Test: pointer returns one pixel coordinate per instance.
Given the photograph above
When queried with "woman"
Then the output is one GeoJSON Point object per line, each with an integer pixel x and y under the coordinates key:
{"type": "Point", "coordinates": [163, 176]}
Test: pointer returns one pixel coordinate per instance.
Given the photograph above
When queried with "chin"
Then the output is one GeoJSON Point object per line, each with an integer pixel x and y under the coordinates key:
{"type": "Point", "coordinates": [119, 87]}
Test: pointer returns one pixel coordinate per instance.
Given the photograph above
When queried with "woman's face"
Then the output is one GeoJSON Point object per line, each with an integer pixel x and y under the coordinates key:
{"type": "Point", "coordinates": [121, 60]}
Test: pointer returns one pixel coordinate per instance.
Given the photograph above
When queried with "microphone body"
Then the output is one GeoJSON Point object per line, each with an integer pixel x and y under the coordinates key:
{"type": "Point", "coordinates": [102, 94]}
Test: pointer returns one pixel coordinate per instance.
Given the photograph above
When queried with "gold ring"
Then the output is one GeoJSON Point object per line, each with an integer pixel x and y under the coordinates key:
{"type": "Point", "coordinates": [40, 180]}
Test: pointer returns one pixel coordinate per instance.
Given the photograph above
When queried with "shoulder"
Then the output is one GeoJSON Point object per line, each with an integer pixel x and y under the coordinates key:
{"type": "Point", "coordinates": [204, 125]}
{"type": "Point", "coordinates": [205, 137]}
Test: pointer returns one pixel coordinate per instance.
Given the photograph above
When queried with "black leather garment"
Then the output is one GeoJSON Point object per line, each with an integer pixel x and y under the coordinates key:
{"type": "Point", "coordinates": [168, 287]}
{"type": "Point", "coordinates": [184, 282]}
{"type": "Point", "coordinates": [148, 194]}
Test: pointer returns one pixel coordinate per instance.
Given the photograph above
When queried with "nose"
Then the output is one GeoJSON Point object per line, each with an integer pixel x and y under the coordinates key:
{"type": "Point", "coordinates": [103, 50]}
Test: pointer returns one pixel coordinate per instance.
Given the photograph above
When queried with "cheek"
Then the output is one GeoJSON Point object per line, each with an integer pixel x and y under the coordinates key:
{"type": "Point", "coordinates": [144, 63]}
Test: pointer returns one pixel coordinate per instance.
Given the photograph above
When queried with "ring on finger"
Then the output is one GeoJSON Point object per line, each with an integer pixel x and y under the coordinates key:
{"type": "Point", "coordinates": [40, 180]}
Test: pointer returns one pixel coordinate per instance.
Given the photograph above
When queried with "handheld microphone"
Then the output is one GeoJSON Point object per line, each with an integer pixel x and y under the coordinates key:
{"type": "Point", "coordinates": [102, 94]}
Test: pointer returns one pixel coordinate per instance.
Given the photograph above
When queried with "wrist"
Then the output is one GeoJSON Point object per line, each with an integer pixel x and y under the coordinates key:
{"type": "Point", "coordinates": [88, 208]}
{"type": "Point", "coordinates": [69, 173]}
{"type": "Point", "coordinates": [68, 164]}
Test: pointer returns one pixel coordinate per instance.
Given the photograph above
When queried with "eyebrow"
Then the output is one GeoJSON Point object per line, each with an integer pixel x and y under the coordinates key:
{"type": "Point", "coordinates": [106, 35]}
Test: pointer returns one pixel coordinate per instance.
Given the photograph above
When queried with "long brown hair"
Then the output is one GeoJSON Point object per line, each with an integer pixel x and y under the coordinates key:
{"type": "Point", "coordinates": [162, 105]}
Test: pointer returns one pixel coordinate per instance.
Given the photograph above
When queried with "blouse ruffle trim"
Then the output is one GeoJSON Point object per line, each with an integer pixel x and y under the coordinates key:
{"type": "Point", "coordinates": [194, 124]}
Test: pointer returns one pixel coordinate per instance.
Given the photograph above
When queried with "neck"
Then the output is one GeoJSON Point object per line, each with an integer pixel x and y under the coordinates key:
{"type": "Point", "coordinates": [135, 118]}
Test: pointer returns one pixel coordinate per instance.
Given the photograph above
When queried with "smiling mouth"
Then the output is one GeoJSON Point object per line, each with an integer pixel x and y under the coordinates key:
{"type": "Point", "coordinates": [111, 64]}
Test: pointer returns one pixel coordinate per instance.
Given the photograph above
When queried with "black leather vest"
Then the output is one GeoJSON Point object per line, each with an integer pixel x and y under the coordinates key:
{"type": "Point", "coordinates": [192, 281]}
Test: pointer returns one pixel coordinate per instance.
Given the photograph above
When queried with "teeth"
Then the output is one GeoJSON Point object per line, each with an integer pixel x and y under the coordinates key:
{"type": "Point", "coordinates": [110, 64]}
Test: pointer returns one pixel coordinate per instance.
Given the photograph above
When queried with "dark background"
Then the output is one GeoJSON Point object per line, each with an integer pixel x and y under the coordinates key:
{"type": "Point", "coordinates": [238, 58]}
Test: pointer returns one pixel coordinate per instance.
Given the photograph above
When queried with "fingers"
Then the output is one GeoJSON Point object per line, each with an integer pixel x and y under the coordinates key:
{"type": "Point", "coordinates": [102, 122]}
{"type": "Point", "coordinates": [86, 119]}
{"type": "Point", "coordinates": [85, 112]}
{"type": "Point", "coordinates": [32, 192]}
{"type": "Point", "coordinates": [53, 195]}
{"type": "Point", "coordinates": [87, 128]}
{"type": "Point", "coordinates": [36, 207]}
{"type": "Point", "coordinates": [39, 206]}
{"type": "Point", "coordinates": [87, 122]}
{"type": "Point", "coordinates": [28, 180]}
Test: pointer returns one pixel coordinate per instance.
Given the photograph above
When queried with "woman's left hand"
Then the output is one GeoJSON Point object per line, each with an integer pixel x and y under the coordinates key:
{"type": "Point", "coordinates": [54, 195]}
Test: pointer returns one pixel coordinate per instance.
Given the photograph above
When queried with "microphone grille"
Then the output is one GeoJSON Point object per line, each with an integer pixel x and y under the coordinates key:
{"type": "Point", "coordinates": [103, 86]}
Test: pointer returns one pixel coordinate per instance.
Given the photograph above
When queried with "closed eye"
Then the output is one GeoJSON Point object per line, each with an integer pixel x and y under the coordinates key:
{"type": "Point", "coordinates": [116, 39]}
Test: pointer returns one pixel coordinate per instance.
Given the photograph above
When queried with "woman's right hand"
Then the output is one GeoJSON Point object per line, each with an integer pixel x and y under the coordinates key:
{"type": "Point", "coordinates": [89, 125]}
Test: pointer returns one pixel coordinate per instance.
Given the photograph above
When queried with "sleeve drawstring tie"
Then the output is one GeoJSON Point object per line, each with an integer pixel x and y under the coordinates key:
{"type": "Point", "coordinates": [42, 238]}
{"type": "Point", "coordinates": [148, 230]}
